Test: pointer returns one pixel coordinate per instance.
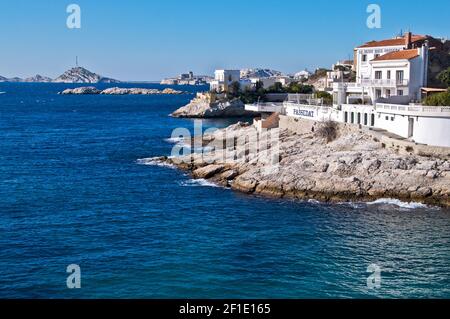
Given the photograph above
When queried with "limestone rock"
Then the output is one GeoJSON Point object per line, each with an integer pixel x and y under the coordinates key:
{"type": "Point", "coordinates": [199, 108]}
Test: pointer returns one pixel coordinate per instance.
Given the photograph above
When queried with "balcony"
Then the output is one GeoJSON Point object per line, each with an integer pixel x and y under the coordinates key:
{"type": "Point", "coordinates": [437, 111]}
{"type": "Point", "coordinates": [385, 82]}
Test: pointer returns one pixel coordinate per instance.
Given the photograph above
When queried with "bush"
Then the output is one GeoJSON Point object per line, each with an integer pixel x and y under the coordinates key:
{"type": "Point", "coordinates": [440, 99]}
{"type": "Point", "coordinates": [328, 130]}
{"type": "Point", "coordinates": [444, 77]}
{"type": "Point", "coordinates": [299, 88]}
{"type": "Point", "coordinates": [327, 97]}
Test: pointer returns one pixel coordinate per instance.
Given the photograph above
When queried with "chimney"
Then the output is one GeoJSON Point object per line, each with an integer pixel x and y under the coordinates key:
{"type": "Point", "coordinates": [408, 40]}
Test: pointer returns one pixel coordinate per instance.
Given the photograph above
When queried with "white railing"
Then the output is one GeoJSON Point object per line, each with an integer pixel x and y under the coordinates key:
{"type": "Point", "coordinates": [265, 107]}
{"type": "Point", "coordinates": [412, 108]}
{"type": "Point", "coordinates": [299, 97]}
{"type": "Point", "coordinates": [385, 82]}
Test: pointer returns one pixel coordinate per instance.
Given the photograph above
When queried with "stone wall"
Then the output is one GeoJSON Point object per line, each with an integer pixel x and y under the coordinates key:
{"type": "Point", "coordinates": [404, 147]}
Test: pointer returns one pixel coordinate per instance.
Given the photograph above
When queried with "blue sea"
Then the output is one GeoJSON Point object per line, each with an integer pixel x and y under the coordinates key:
{"type": "Point", "coordinates": [73, 191]}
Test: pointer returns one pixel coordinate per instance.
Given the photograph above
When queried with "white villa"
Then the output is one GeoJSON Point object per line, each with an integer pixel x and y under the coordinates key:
{"type": "Point", "coordinates": [391, 75]}
{"type": "Point", "coordinates": [223, 79]}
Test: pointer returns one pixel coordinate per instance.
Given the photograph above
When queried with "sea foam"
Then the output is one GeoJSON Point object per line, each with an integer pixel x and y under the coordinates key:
{"type": "Point", "coordinates": [154, 161]}
{"type": "Point", "coordinates": [397, 202]}
{"type": "Point", "coordinates": [199, 183]}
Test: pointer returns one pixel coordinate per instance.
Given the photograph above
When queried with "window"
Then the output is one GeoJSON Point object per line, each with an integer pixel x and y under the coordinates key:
{"type": "Point", "coordinates": [387, 118]}
{"type": "Point", "coordinates": [392, 119]}
{"type": "Point", "coordinates": [388, 93]}
{"type": "Point", "coordinates": [364, 58]}
{"type": "Point", "coordinates": [377, 93]}
{"type": "Point", "coordinates": [366, 120]}
{"type": "Point", "coordinates": [376, 56]}
{"type": "Point", "coordinates": [389, 75]}
{"type": "Point", "coordinates": [400, 92]}
{"type": "Point", "coordinates": [400, 76]}
{"type": "Point", "coordinates": [378, 75]}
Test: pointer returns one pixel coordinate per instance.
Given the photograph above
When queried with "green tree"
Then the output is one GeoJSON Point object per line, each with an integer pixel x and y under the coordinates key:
{"type": "Point", "coordinates": [327, 97]}
{"type": "Point", "coordinates": [444, 77]}
{"type": "Point", "coordinates": [276, 88]}
{"type": "Point", "coordinates": [440, 99]}
{"type": "Point", "coordinates": [299, 88]}
{"type": "Point", "coordinates": [234, 89]}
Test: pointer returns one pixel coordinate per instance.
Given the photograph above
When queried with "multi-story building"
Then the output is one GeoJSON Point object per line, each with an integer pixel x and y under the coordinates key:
{"type": "Point", "coordinates": [387, 70]}
{"type": "Point", "coordinates": [223, 79]}
{"type": "Point", "coordinates": [391, 75]}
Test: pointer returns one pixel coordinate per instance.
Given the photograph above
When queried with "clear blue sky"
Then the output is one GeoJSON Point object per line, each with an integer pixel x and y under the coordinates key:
{"type": "Point", "coordinates": [151, 39]}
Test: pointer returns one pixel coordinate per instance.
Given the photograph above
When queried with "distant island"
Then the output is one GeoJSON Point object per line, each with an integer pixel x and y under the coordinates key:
{"type": "Point", "coordinates": [90, 90]}
{"type": "Point", "coordinates": [74, 75]}
{"type": "Point", "coordinates": [188, 79]}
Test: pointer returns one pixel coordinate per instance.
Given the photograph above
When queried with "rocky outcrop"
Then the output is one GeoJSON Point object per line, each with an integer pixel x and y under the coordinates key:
{"type": "Point", "coordinates": [81, 91]}
{"type": "Point", "coordinates": [139, 91]}
{"type": "Point", "coordinates": [118, 91]}
{"type": "Point", "coordinates": [81, 75]}
{"type": "Point", "coordinates": [353, 167]}
{"type": "Point", "coordinates": [203, 108]}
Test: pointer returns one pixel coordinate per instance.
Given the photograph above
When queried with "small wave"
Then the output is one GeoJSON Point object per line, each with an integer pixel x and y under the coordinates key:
{"type": "Point", "coordinates": [155, 161]}
{"type": "Point", "coordinates": [2, 92]}
{"type": "Point", "coordinates": [199, 183]}
{"type": "Point", "coordinates": [175, 140]}
{"type": "Point", "coordinates": [397, 202]}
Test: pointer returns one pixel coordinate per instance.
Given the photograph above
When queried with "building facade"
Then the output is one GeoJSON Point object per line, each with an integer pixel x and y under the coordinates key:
{"type": "Point", "coordinates": [390, 78]}
{"type": "Point", "coordinates": [223, 79]}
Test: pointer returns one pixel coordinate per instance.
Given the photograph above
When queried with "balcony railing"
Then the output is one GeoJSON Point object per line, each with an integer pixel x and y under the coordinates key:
{"type": "Point", "coordinates": [413, 108]}
{"type": "Point", "coordinates": [265, 107]}
{"type": "Point", "coordinates": [385, 82]}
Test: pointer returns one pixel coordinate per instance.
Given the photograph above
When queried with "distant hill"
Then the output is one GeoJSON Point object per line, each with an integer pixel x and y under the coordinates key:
{"type": "Point", "coordinates": [38, 79]}
{"type": "Point", "coordinates": [3, 79]}
{"type": "Point", "coordinates": [74, 75]}
{"type": "Point", "coordinates": [259, 73]}
{"type": "Point", "coordinates": [81, 75]}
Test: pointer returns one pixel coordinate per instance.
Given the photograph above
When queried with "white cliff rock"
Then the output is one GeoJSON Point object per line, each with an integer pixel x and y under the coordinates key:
{"type": "Point", "coordinates": [202, 108]}
{"type": "Point", "coordinates": [82, 91]}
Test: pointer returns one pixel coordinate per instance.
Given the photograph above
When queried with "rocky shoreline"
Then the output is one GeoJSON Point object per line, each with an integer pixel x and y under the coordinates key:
{"type": "Point", "coordinates": [203, 107]}
{"type": "Point", "coordinates": [352, 167]}
{"type": "Point", "coordinates": [90, 90]}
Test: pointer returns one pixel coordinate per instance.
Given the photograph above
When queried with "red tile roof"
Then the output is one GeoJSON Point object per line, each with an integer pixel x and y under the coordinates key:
{"type": "Point", "coordinates": [399, 55]}
{"type": "Point", "coordinates": [392, 42]}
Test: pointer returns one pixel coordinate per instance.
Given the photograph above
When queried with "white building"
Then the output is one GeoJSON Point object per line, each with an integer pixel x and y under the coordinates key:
{"type": "Point", "coordinates": [390, 77]}
{"type": "Point", "coordinates": [302, 75]}
{"type": "Point", "coordinates": [223, 79]}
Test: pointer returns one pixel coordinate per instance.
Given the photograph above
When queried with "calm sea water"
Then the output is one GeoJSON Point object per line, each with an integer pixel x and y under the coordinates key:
{"type": "Point", "coordinates": [72, 192]}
